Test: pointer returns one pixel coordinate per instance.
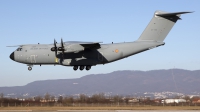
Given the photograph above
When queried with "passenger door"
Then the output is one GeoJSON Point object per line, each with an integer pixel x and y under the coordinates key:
{"type": "Point", "coordinates": [33, 59]}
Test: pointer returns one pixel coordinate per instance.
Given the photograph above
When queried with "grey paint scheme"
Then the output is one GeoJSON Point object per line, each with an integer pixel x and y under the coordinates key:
{"type": "Point", "coordinates": [77, 53]}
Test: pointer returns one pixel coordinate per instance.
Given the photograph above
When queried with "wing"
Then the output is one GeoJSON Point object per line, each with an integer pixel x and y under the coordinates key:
{"type": "Point", "coordinates": [15, 46]}
{"type": "Point", "coordinates": [74, 46]}
{"type": "Point", "coordinates": [90, 45]}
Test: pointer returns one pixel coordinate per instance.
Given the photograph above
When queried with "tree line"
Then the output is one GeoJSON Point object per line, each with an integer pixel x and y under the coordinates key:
{"type": "Point", "coordinates": [100, 98]}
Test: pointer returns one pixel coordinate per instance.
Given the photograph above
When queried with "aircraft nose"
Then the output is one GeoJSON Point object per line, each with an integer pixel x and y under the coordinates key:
{"type": "Point", "coordinates": [12, 56]}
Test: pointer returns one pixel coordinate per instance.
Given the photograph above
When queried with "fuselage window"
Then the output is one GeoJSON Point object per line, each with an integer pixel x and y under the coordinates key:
{"type": "Point", "coordinates": [19, 49]}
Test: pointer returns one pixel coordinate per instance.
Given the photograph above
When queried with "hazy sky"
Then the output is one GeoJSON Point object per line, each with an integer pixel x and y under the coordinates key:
{"type": "Point", "coordinates": [30, 22]}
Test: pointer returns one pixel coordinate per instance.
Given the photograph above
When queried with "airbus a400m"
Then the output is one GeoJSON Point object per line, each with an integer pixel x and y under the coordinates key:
{"type": "Point", "coordinates": [84, 55]}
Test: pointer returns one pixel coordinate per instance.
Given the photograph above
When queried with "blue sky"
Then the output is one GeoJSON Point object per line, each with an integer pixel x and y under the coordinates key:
{"type": "Point", "coordinates": [30, 22]}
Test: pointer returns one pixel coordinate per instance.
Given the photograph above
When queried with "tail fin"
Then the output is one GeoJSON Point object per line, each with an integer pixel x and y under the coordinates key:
{"type": "Point", "coordinates": [160, 25]}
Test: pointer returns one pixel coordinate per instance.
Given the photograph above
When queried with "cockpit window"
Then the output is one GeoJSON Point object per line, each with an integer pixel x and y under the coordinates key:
{"type": "Point", "coordinates": [19, 49]}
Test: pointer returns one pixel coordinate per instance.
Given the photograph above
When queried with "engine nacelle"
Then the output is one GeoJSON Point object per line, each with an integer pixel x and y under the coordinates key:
{"type": "Point", "coordinates": [53, 49]}
{"type": "Point", "coordinates": [60, 49]}
{"type": "Point", "coordinates": [74, 48]}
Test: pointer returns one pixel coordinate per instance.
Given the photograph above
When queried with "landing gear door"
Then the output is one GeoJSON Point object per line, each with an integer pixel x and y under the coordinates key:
{"type": "Point", "coordinates": [33, 59]}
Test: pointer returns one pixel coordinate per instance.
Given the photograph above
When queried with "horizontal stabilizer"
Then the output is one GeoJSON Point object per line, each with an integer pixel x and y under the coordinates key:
{"type": "Point", "coordinates": [171, 14]}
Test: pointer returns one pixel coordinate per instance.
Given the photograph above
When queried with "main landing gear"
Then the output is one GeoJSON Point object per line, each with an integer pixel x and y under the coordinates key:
{"type": "Point", "coordinates": [75, 68]}
{"type": "Point", "coordinates": [82, 67]}
{"type": "Point", "coordinates": [88, 67]}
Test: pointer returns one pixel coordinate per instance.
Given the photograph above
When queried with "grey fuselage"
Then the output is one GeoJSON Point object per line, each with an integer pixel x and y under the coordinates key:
{"type": "Point", "coordinates": [38, 54]}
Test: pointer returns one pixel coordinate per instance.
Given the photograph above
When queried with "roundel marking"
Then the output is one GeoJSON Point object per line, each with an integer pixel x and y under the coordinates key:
{"type": "Point", "coordinates": [116, 50]}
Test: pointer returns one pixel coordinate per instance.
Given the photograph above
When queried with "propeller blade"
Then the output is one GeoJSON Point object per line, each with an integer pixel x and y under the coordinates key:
{"type": "Point", "coordinates": [55, 47]}
{"type": "Point", "coordinates": [62, 47]}
{"type": "Point", "coordinates": [54, 43]}
{"type": "Point", "coordinates": [62, 43]}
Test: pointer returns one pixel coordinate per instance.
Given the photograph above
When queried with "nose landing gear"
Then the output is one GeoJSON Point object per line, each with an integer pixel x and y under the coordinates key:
{"type": "Point", "coordinates": [29, 68]}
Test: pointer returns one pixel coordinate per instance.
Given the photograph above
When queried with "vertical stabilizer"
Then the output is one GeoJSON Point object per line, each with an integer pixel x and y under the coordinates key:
{"type": "Point", "coordinates": [160, 25]}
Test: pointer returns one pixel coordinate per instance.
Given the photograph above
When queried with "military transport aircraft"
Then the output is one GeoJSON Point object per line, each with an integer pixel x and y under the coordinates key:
{"type": "Point", "coordinates": [83, 55]}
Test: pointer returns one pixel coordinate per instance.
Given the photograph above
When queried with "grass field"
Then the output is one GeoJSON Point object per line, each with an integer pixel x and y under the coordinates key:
{"type": "Point", "coordinates": [105, 108]}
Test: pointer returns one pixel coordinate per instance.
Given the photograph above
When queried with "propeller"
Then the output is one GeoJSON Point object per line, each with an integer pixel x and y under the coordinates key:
{"type": "Point", "coordinates": [62, 48]}
{"type": "Point", "coordinates": [55, 48]}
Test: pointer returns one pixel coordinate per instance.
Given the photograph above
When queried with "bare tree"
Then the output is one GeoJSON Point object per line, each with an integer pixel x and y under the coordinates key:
{"type": "Point", "coordinates": [52, 98]}
{"type": "Point", "coordinates": [82, 98]}
{"type": "Point", "coordinates": [68, 100]}
{"type": "Point", "coordinates": [37, 98]}
{"type": "Point", "coordinates": [60, 99]}
{"type": "Point", "coordinates": [98, 98]}
{"type": "Point", "coordinates": [187, 98]}
{"type": "Point", "coordinates": [47, 97]}
{"type": "Point", "coordinates": [117, 99]}
{"type": "Point", "coordinates": [1, 95]}
{"type": "Point", "coordinates": [71, 99]}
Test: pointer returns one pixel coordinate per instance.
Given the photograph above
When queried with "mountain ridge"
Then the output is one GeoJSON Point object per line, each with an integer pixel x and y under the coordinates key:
{"type": "Point", "coordinates": [117, 82]}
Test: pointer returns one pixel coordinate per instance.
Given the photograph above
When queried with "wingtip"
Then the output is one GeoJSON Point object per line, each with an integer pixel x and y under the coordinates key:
{"type": "Point", "coordinates": [15, 46]}
{"type": "Point", "coordinates": [189, 11]}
